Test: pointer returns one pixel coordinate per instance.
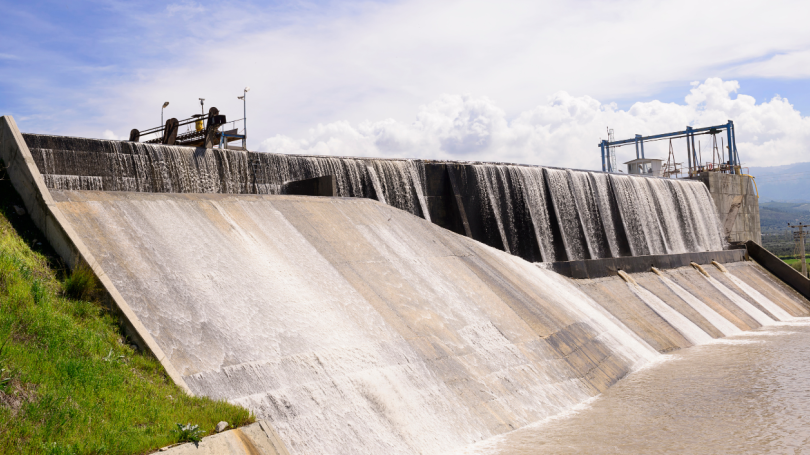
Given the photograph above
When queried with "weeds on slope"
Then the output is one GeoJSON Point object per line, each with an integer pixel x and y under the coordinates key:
{"type": "Point", "coordinates": [69, 382]}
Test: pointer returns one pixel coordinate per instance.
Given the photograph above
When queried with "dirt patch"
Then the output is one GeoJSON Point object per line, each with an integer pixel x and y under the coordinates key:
{"type": "Point", "coordinates": [16, 395]}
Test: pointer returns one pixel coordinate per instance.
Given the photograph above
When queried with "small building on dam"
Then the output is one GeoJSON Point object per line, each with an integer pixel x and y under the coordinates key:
{"type": "Point", "coordinates": [366, 306]}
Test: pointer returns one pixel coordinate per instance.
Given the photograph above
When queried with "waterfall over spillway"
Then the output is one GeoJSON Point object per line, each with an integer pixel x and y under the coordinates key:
{"type": "Point", "coordinates": [538, 213]}
{"type": "Point", "coordinates": [364, 323]}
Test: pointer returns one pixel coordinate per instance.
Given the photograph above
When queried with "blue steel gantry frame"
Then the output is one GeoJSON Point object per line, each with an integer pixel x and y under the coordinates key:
{"type": "Point", "coordinates": [689, 134]}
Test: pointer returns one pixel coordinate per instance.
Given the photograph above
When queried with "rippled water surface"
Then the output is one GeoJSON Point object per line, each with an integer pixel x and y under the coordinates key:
{"type": "Point", "coordinates": [747, 394]}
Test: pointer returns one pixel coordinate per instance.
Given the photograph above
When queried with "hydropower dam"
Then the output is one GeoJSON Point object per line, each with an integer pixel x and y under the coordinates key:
{"type": "Point", "coordinates": [368, 306]}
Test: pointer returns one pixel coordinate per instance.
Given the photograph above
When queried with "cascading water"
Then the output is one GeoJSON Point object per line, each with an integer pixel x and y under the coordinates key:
{"type": "Point", "coordinates": [588, 211]}
{"type": "Point", "coordinates": [668, 215]}
{"type": "Point", "coordinates": [681, 323]}
{"type": "Point", "coordinates": [496, 191]}
{"type": "Point", "coordinates": [609, 214]}
{"type": "Point", "coordinates": [533, 189]}
{"type": "Point", "coordinates": [354, 328]}
{"type": "Point", "coordinates": [765, 302]}
{"type": "Point", "coordinates": [744, 305]}
{"type": "Point", "coordinates": [722, 324]}
{"type": "Point", "coordinates": [539, 214]}
{"type": "Point", "coordinates": [635, 200]}
{"type": "Point", "coordinates": [565, 209]}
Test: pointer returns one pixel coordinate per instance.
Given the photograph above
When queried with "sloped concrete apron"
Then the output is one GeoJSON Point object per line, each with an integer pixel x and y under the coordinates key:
{"type": "Point", "coordinates": [24, 175]}
{"type": "Point", "coordinates": [256, 439]}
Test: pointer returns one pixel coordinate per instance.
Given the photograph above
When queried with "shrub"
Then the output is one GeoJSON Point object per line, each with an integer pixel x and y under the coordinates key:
{"type": "Point", "coordinates": [81, 284]}
{"type": "Point", "coordinates": [188, 433]}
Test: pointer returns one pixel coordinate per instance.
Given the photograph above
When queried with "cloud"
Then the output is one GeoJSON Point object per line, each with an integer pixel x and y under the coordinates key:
{"type": "Point", "coordinates": [322, 62]}
{"type": "Point", "coordinates": [107, 134]}
{"type": "Point", "coordinates": [184, 8]}
{"type": "Point", "coordinates": [563, 131]}
{"type": "Point", "coordinates": [788, 65]}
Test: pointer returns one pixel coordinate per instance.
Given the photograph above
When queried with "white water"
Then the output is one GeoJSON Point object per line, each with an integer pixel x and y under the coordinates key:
{"type": "Point", "coordinates": [533, 188]}
{"type": "Point", "coordinates": [681, 323]}
{"type": "Point", "coordinates": [744, 305]}
{"type": "Point", "coordinates": [567, 214]}
{"type": "Point", "coordinates": [765, 302]}
{"type": "Point", "coordinates": [669, 216]}
{"type": "Point", "coordinates": [722, 324]}
{"type": "Point", "coordinates": [564, 291]}
{"type": "Point", "coordinates": [540, 214]}
{"type": "Point", "coordinates": [585, 202]}
{"type": "Point", "coordinates": [487, 179]}
{"type": "Point", "coordinates": [608, 213]}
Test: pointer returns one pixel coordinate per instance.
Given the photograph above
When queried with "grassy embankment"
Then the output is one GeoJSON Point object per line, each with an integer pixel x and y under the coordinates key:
{"type": "Point", "coordinates": [69, 381]}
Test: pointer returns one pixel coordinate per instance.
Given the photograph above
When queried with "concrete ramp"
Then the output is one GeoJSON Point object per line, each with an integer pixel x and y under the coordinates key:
{"type": "Point", "coordinates": [351, 326]}
{"type": "Point", "coordinates": [354, 327]}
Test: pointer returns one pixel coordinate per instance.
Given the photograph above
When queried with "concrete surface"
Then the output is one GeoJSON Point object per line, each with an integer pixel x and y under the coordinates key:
{"type": "Point", "coordinates": [354, 327]}
{"type": "Point", "coordinates": [583, 215]}
{"type": "Point", "coordinates": [24, 175]}
{"type": "Point", "coordinates": [779, 268]}
{"type": "Point", "coordinates": [737, 205]}
{"type": "Point", "coordinates": [255, 439]}
{"type": "Point", "coordinates": [598, 268]}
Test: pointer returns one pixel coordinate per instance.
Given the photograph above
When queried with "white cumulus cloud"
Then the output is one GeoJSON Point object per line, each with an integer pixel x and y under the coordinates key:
{"type": "Point", "coordinates": [565, 130]}
{"type": "Point", "coordinates": [108, 134]}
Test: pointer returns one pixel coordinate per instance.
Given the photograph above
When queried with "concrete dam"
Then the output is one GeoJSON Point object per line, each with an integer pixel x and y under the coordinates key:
{"type": "Point", "coordinates": [414, 307]}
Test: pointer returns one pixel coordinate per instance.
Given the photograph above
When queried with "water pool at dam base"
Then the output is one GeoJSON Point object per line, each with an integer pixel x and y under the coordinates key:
{"type": "Point", "coordinates": [745, 394]}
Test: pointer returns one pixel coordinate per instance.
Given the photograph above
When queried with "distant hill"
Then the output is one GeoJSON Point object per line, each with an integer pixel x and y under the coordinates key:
{"type": "Point", "coordinates": [788, 183]}
{"type": "Point", "coordinates": [774, 218]}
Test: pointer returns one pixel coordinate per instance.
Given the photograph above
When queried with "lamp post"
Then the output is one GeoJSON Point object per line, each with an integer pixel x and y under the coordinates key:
{"type": "Point", "coordinates": [244, 115]}
{"type": "Point", "coordinates": [165, 105]}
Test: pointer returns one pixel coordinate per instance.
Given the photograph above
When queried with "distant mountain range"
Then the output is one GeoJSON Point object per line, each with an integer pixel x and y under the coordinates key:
{"type": "Point", "coordinates": [774, 216]}
{"type": "Point", "coordinates": [788, 183]}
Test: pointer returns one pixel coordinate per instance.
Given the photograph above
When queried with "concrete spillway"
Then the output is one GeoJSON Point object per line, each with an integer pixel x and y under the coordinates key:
{"type": "Point", "coordinates": [537, 213]}
{"type": "Point", "coordinates": [352, 326]}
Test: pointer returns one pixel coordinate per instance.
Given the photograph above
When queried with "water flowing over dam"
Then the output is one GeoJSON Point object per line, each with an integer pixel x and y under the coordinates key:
{"type": "Point", "coordinates": [418, 311]}
{"type": "Point", "coordinates": [537, 213]}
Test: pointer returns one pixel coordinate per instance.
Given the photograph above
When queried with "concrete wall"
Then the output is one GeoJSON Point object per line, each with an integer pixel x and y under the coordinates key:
{"type": "Point", "coordinates": [737, 205]}
{"type": "Point", "coordinates": [24, 175]}
{"type": "Point", "coordinates": [355, 327]}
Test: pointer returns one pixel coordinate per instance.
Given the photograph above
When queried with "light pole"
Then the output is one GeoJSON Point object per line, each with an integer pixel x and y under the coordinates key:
{"type": "Point", "coordinates": [244, 115]}
{"type": "Point", "coordinates": [165, 105]}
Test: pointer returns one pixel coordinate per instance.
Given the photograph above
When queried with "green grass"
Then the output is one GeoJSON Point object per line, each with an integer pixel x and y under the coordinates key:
{"type": "Point", "coordinates": [795, 263]}
{"type": "Point", "coordinates": [69, 381]}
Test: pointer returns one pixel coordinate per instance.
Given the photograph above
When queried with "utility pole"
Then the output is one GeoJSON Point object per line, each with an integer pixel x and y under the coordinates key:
{"type": "Point", "coordinates": [799, 237]}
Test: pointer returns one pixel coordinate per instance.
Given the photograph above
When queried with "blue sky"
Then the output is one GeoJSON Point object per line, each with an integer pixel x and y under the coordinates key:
{"type": "Point", "coordinates": [380, 77]}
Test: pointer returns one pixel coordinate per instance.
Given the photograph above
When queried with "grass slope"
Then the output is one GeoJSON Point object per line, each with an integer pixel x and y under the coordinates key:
{"type": "Point", "coordinates": [69, 382]}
